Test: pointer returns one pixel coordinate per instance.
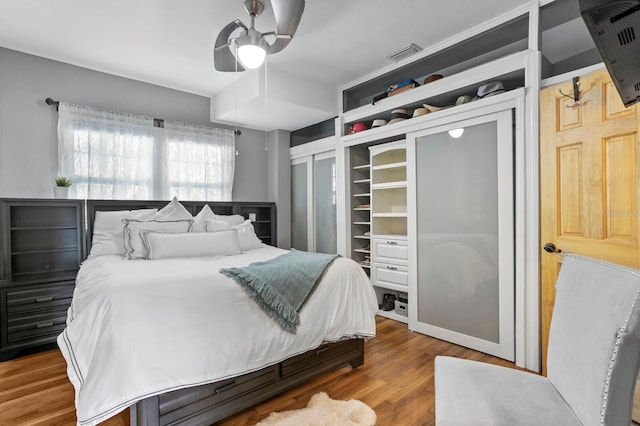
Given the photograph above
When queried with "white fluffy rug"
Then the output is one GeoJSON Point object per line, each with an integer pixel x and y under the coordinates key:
{"type": "Point", "coordinates": [324, 411]}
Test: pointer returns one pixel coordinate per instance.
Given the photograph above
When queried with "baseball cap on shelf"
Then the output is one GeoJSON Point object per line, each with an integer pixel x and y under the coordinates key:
{"type": "Point", "coordinates": [357, 127]}
{"type": "Point", "coordinates": [378, 123]}
{"type": "Point", "coordinates": [420, 111]}
{"type": "Point", "coordinates": [463, 99]}
{"type": "Point", "coordinates": [432, 77]}
{"type": "Point", "coordinates": [397, 115]}
{"type": "Point", "coordinates": [490, 89]}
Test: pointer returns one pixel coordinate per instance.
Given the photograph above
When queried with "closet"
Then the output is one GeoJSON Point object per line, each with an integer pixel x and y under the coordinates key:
{"type": "Point", "coordinates": [438, 219]}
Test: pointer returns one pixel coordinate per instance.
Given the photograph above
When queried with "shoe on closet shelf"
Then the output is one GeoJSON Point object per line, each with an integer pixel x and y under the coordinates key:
{"type": "Point", "coordinates": [388, 302]}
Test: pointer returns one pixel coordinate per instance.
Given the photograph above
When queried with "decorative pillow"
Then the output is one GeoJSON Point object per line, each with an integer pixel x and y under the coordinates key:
{"type": "Point", "coordinates": [205, 213]}
{"type": "Point", "coordinates": [190, 244]}
{"type": "Point", "coordinates": [173, 211]}
{"type": "Point", "coordinates": [108, 234]}
{"type": "Point", "coordinates": [134, 246]}
{"type": "Point", "coordinates": [247, 238]}
{"type": "Point", "coordinates": [199, 225]}
{"type": "Point", "coordinates": [213, 225]}
{"type": "Point", "coordinates": [233, 219]}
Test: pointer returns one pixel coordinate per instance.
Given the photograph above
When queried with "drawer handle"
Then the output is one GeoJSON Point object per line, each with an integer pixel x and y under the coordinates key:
{"type": "Point", "coordinates": [226, 387]}
{"type": "Point", "coordinates": [44, 299]}
{"type": "Point", "coordinates": [393, 268]}
{"type": "Point", "coordinates": [44, 324]}
{"type": "Point", "coordinates": [393, 243]}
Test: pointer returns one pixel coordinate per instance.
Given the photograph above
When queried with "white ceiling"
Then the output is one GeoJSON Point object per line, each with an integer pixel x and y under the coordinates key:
{"type": "Point", "coordinates": [170, 42]}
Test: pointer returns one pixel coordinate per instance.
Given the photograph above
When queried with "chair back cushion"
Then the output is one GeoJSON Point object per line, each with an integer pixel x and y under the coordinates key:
{"type": "Point", "coordinates": [594, 341]}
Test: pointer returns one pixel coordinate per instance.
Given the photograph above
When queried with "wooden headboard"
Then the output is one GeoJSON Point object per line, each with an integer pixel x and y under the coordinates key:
{"type": "Point", "coordinates": [263, 214]}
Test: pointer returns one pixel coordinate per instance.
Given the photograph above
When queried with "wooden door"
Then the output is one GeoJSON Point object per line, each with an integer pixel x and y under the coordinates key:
{"type": "Point", "coordinates": [589, 180]}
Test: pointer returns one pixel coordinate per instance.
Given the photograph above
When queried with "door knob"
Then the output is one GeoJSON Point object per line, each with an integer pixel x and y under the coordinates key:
{"type": "Point", "coordinates": [551, 248]}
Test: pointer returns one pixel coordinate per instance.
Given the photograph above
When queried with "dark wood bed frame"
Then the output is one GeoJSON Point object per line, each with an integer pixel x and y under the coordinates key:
{"type": "Point", "coordinates": [207, 404]}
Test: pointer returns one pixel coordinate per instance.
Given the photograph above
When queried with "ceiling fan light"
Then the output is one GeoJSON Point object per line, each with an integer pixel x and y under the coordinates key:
{"type": "Point", "coordinates": [251, 56]}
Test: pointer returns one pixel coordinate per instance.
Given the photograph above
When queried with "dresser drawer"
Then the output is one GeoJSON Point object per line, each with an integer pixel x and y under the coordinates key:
{"type": "Point", "coordinates": [179, 404]}
{"type": "Point", "coordinates": [36, 325]}
{"type": "Point", "coordinates": [36, 297]}
{"type": "Point", "coordinates": [390, 276]}
{"type": "Point", "coordinates": [318, 356]}
{"type": "Point", "coordinates": [390, 251]}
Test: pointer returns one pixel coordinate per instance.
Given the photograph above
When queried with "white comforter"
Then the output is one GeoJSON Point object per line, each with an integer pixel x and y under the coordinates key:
{"type": "Point", "coordinates": [141, 328]}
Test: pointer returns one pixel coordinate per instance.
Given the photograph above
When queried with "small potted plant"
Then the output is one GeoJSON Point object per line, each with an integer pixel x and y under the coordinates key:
{"type": "Point", "coordinates": [61, 190]}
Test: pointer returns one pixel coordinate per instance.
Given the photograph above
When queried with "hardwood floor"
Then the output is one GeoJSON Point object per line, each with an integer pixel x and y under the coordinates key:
{"type": "Point", "coordinates": [396, 381]}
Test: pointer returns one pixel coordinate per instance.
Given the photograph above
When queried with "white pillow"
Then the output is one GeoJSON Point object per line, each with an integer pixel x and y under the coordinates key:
{"type": "Point", "coordinates": [134, 246]}
{"type": "Point", "coordinates": [173, 211]}
{"type": "Point", "coordinates": [190, 244]}
{"type": "Point", "coordinates": [198, 223]}
{"type": "Point", "coordinates": [108, 235]}
{"type": "Point", "coordinates": [213, 225]}
{"type": "Point", "coordinates": [233, 219]}
{"type": "Point", "coordinates": [247, 238]}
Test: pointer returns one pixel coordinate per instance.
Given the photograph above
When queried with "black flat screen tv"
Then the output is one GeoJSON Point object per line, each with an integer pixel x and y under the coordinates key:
{"type": "Point", "coordinates": [615, 29]}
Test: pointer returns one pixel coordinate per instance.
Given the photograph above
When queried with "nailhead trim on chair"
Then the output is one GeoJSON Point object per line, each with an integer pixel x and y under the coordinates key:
{"type": "Point", "coordinates": [618, 334]}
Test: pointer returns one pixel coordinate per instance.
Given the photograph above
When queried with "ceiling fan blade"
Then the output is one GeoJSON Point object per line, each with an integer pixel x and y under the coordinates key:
{"type": "Point", "coordinates": [288, 14]}
{"type": "Point", "coordinates": [223, 58]}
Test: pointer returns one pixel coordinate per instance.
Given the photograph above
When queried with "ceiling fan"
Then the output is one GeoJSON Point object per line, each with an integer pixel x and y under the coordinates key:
{"type": "Point", "coordinates": [249, 48]}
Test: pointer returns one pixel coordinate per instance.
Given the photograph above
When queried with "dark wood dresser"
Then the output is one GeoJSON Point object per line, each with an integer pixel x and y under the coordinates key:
{"type": "Point", "coordinates": [42, 246]}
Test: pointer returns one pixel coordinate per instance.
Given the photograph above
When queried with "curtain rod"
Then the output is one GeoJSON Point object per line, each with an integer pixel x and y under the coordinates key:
{"type": "Point", "coordinates": [157, 122]}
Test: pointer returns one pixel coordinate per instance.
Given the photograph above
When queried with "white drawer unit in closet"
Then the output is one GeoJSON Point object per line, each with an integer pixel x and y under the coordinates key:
{"type": "Point", "coordinates": [390, 251]}
{"type": "Point", "coordinates": [391, 277]}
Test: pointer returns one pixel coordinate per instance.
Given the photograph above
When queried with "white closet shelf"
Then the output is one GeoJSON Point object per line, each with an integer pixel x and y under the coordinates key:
{"type": "Point", "coordinates": [362, 223]}
{"type": "Point", "coordinates": [471, 77]}
{"type": "Point", "coordinates": [362, 167]}
{"type": "Point", "coordinates": [389, 185]}
{"type": "Point", "coordinates": [398, 165]}
{"type": "Point", "coordinates": [358, 209]}
{"type": "Point", "coordinates": [362, 181]}
{"type": "Point", "coordinates": [362, 251]}
{"type": "Point", "coordinates": [362, 237]}
{"type": "Point", "coordinates": [389, 214]}
{"type": "Point", "coordinates": [368, 194]}
{"type": "Point", "coordinates": [391, 286]}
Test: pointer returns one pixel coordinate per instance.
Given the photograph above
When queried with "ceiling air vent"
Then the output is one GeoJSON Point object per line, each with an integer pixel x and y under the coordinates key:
{"type": "Point", "coordinates": [404, 52]}
{"type": "Point", "coordinates": [613, 25]}
{"type": "Point", "coordinates": [626, 36]}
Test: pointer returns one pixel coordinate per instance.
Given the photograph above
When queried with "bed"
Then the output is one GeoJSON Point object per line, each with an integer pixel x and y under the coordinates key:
{"type": "Point", "coordinates": [180, 343]}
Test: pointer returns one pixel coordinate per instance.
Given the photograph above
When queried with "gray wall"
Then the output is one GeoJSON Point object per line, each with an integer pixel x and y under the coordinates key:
{"type": "Point", "coordinates": [280, 183]}
{"type": "Point", "coordinates": [28, 139]}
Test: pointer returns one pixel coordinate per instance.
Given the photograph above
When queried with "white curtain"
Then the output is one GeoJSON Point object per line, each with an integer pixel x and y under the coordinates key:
{"type": "Point", "coordinates": [200, 162]}
{"type": "Point", "coordinates": [107, 155]}
{"type": "Point", "coordinates": [112, 155]}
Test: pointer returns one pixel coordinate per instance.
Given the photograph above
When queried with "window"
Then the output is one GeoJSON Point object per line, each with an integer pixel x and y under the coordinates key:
{"type": "Point", "coordinates": [111, 155]}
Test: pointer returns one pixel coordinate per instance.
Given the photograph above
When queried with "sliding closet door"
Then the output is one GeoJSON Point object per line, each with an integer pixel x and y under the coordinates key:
{"type": "Point", "coordinates": [324, 191]}
{"type": "Point", "coordinates": [462, 233]}
{"type": "Point", "coordinates": [313, 203]}
{"type": "Point", "coordinates": [301, 204]}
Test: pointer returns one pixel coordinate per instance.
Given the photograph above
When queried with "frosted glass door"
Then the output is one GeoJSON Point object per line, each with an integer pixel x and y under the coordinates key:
{"type": "Point", "coordinates": [463, 227]}
{"type": "Point", "coordinates": [324, 184]}
{"type": "Point", "coordinates": [300, 205]}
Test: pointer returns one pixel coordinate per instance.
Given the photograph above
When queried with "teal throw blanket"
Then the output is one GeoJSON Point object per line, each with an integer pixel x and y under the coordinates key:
{"type": "Point", "coordinates": [281, 286]}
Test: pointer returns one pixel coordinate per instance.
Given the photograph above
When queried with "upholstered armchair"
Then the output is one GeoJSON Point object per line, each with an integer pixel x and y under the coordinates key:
{"type": "Point", "coordinates": [593, 359]}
